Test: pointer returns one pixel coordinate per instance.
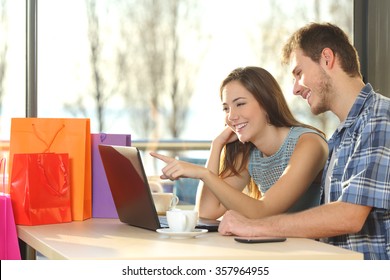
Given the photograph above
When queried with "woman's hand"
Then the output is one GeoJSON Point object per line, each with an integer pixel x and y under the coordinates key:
{"type": "Point", "coordinates": [176, 169]}
{"type": "Point", "coordinates": [226, 136]}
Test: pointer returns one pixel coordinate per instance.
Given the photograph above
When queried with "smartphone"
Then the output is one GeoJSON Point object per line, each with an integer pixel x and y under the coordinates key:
{"type": "Point", "coordinates": [259, 239]}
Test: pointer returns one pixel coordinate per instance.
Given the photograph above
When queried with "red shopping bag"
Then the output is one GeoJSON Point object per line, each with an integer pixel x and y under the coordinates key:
{"type": "Point", "coordinates": [40, 187]}
{"type": "Point", "coordinates": [9, 246]}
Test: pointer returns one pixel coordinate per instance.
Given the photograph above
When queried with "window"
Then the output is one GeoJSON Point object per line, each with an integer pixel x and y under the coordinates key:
{"type": "Point", "coordinates": [12, 67]}
{"type": "Point", "coordinates": [147, 67]}
{"type": "Point", "coordinates": [153, 69]}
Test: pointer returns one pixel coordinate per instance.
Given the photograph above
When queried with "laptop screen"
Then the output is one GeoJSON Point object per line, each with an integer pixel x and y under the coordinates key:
{"type": "Point", "coordinates": [129, 186]}
{"type": "Point", "coordinates": [130, 189]}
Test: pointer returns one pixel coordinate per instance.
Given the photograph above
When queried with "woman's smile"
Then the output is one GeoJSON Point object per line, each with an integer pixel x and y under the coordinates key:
{"type": "Point", "coordinates": [239, 127]}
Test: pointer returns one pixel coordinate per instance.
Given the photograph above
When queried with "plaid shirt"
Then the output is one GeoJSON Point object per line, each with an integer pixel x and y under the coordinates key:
{"type": "Point", "coordinates": [361, 174]}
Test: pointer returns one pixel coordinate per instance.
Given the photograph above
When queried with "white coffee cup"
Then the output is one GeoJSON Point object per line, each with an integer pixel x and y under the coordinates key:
{"type": "Point", "coordinates": [164, 201]}
{"type": "Point", "coordinates": [182, 220]}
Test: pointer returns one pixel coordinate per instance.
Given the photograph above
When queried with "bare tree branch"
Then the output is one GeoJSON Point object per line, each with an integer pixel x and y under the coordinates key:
{"type": "Point", "coordinates": [164, 76]}
{"type": "Point", "coordinates": [103, 89]}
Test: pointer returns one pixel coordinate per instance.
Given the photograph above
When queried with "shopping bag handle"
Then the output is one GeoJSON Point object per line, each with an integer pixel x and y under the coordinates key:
{"type": "Point", "coordinates": [62, 189]}
{"type": "Point", "coordinates": [48, 145]}
{"type": "Point", "coordinates": [103, 137]}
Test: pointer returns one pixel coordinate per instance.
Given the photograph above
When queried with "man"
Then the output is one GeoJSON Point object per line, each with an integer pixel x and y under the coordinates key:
{"type": "Point", "coordinates": [356, 178]}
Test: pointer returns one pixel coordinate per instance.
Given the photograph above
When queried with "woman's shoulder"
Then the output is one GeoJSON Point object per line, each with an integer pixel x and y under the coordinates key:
{"type": "Point", "coordinates": [298, 131]}
{"type": "Point", "coordinates": [302, 129]}
{"type": "Point", "coordinates": [310, 144]}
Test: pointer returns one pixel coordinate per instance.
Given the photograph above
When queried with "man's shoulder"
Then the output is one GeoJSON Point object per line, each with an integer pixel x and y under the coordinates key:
{"type": "Point", "coordinates": [373, 116]}
{"type": "Point", "coordinates": [380, 105]}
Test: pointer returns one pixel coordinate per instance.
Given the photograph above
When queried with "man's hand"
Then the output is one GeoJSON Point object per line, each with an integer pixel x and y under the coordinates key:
{"type": "Point", "coordinates": [234, 223]}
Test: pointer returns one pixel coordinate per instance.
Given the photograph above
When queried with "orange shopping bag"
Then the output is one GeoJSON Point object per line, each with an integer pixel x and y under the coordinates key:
{"type": "Point", "coordinates": [73, 138]}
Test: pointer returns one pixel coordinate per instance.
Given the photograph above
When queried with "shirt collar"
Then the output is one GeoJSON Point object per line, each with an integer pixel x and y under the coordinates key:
{"type": "Point", "coordinates": [358, 105]}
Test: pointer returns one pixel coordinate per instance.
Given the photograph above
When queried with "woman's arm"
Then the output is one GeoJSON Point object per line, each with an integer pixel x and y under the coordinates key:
{"type": "Point", "coordinates": [306, 163]}
{"type": "Point", "coordinates": [219, 188]}
{"type": "Point", "coordinates": [209, 203]}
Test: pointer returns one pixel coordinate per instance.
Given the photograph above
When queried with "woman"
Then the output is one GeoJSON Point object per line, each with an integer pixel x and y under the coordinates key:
{"type": "Point", "coordinates": [263, 150]}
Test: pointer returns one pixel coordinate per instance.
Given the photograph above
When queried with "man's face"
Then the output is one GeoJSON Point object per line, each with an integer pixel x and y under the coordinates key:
{"type": "Point", "coordinates": [311, 82]}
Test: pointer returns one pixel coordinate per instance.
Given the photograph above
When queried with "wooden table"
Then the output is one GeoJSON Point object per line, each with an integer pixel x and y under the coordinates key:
{"type": "Point", "coordinates": [110, 239]}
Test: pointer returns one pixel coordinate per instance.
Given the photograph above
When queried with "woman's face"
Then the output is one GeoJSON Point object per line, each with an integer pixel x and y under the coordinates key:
{"type": "Point", "coordinates": [243, 114]}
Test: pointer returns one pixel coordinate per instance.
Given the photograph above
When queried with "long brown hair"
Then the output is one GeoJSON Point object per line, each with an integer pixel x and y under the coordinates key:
{"type": "Point", "coordinates": [267, 92]}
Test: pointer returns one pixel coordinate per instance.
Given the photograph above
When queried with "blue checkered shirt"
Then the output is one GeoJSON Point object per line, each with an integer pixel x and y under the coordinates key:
{"type": "Point", "coordinates": [361, 174]}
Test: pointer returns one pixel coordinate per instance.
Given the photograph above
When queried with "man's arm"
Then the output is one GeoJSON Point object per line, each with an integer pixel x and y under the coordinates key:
{"type": "Point", "coordinates": [332, 219]}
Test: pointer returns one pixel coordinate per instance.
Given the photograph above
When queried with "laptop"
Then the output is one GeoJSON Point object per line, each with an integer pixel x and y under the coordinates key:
{"type": "Point", "coordinates": [131, 192]}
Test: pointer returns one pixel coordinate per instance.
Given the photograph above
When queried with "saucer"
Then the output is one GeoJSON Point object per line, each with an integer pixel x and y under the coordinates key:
{"type": "Point", "coordinates": [181, 235]}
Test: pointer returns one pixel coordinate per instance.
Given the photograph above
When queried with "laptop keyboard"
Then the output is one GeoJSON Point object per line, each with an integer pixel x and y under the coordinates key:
{"type": "Point", "coordinates": [163, 221]}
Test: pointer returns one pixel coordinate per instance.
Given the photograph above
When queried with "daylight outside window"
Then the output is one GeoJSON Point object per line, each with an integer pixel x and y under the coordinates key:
{"type": "Point", "coordinates": [151, 68]}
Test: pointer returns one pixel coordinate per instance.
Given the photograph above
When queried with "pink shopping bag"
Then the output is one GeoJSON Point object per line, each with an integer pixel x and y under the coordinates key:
{"type": "Point", "coordinates": [9, 246]}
